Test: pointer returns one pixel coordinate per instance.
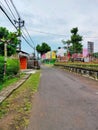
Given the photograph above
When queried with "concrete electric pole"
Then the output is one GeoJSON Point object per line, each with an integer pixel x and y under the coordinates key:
{"type": "Point", "coordinates": [20, 25]}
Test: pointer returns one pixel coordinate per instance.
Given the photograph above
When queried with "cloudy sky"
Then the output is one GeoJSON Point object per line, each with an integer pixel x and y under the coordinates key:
{"type": "Point", "coordinates": [50, 21]}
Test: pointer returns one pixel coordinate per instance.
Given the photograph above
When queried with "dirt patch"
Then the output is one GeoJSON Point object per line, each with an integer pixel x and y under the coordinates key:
{"type": "Point", "coordinates": [17, 113]}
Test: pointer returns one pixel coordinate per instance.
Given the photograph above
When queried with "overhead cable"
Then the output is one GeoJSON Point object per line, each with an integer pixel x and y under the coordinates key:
{"type": "Point", "coordinates": [7, 16]}
{"type": "Point", "coordinates": [15, 26]}
{"type": "Point", "coordinates": [10, 9]}
{"type": "Point", "coordinates": [29, 35]}
{"type": "Point", "coordinates": [28, 42]}
{"type": "Point", "coordinates": [6, 10]}
{"type": "Point", "coordinates": [15, 8]}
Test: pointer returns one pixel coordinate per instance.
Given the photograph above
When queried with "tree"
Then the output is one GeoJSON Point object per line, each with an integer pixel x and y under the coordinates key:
{"type": "Point", "coordinates": [13, 41]}
{"type": "Point", "coordinates": [95, 54]}
{"type": "Point", "coordinates": [76, 41]}
{"type": "Point", "coordinates": [74, 45]}
{"type": "Point", "coordinates": [67, 44]}
{"type": "Point", "coordinates": [44, 48]}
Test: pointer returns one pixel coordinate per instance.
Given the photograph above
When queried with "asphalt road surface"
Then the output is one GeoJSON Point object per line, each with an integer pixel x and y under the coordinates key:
{"type": "Point", "coordinates": [64, 101]}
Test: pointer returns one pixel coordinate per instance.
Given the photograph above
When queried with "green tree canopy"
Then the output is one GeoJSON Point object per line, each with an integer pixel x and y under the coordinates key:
{"type": "Point", "coordinates": [43, 48]}
{"type": "Point", "coordinates": [74, 45]}
{"type": "Point", "coordinates": [12, 44]}
{"type": "Point", "coordinates": [95, 54]}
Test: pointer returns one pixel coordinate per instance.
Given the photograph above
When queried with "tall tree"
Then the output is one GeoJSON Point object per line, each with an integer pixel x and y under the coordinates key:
{"type": "Point", "coordinates": [67, 44]}
{"type": "Point", "coordinates": [74, 45]}
{"type": "Point", "coordinates": [76, 41]}
{"type": "Point", "coordinates": [44, 48]}
{"type": "Point", "coordinates": [12, 44]}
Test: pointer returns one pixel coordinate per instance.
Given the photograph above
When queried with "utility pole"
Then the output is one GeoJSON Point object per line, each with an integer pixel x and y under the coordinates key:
{"type": "Point", "coordinates": [5, 53]}
{"type": "Point", "coordinates": [20, 25]}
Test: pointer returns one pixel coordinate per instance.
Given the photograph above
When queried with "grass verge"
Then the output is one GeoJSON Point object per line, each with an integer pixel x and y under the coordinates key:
{"type": "Point", "coordinates": [10, 81]}
{"type": "Point", "coordinates": [15, 110]}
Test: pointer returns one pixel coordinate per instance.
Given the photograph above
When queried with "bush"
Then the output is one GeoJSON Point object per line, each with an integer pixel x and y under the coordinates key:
{"type": "Point", "coordinates": [49, 61]}
{"type": "Point", "coordinates": [12, 67]}
{"type": "Point", "coordinates": [1, 68]}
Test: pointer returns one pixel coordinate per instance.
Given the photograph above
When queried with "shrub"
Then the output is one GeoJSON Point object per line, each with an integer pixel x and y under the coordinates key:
{"type": "Point", "coordinates": [1, 68]}
{"type": "Point", "coordinates": [12, 67]}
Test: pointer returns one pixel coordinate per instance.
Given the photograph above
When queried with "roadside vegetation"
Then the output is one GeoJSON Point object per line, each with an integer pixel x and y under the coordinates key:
{"type": "Point", "coordinates": [9, 82]}
{"type": "Point", "coordinates": [15, 110]}
{"type": "Point", "coordinates": [79, 64]}
{"type": "Point", "coordinates": [12, 70]}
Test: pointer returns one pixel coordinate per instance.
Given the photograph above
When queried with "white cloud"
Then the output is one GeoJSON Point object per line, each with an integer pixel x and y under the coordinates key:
{"type": "Point", "coordinates": [59, 17]}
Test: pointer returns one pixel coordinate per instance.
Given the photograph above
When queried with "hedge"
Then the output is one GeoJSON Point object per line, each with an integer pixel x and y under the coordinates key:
{"type": "Point", "coordinates": [12, 68]}
{"type": "Point", "coordinates": [1, 68]}
{"type": "Point", "coordinates": [79, 65]}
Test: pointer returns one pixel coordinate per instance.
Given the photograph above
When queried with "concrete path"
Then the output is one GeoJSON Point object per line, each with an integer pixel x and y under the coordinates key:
{"type": "Point", "coordinates": [7, 91]}
{"type": "Point", "coordinates": [64, 102]}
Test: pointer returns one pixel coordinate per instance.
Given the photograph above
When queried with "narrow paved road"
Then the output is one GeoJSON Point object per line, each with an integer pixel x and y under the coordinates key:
{"type": "Point", "coordinates": [64, 102]}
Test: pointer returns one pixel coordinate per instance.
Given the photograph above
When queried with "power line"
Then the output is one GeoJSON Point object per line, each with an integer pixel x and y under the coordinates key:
{"type": "Point", "coordinates": [20, 23]}
{"type": "Point", "coordinates": [49, 33]}
{"type": "Point", "coordinates": [6, 10]}
{"type": "Point", "coordinates": [30, 39]}
{"type": "Point", "coordinates": [10, 9]}
{"type": "Point", "coordinates": [8, 16]}
{"type": "Point", "coordinates": [90, 37]}
{"type": "Point", "coordinates": [15, 26]}
{"type": "Point", "coordinates": [25, 35]}
{"type": "Point", "coordinates": [15, 8]}
{"type": "Point", "coordinates": [28, 42]}
{"type": "Point", "coordinates": [29, 36]}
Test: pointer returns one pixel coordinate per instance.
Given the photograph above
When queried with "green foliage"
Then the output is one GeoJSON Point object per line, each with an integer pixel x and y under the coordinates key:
{"type": "Point", "coordinates": [67, 44]}
{"type": "Point", "coordinates": [1, 68]}
{"type": "Point", "coordinates": [75, 40]}
{"type": "Point", "coordinates": [22, 107]}
{"type": "Point", "coordinates": [3, 32]}
{"type": "Point", "coordinates": [38, 48]}
{"type": "Point", "coordinates": [12, 67]}
{"type": "Point", "coordinates": [49, 61]}
{"type": "Point", "coordinates": [11, 45]}
{"type": "Point", "coordinates": [9, 82]}
{"type": "Point", "coordinates": [95, 55]}
{"type": "Point", "coordinates": [44, 48]}
{"type": "Point", "coordinates": [89, 66]}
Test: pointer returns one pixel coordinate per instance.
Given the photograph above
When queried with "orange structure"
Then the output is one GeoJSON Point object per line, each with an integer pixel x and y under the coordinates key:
{"type": "Point", "coordinates": [23, 62]}
{"type": "Point", "coordinates": [23, 58]}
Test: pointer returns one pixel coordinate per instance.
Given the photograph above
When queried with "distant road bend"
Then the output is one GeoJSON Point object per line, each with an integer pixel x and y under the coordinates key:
{"type": "Point", "coordinates": [64, 102]}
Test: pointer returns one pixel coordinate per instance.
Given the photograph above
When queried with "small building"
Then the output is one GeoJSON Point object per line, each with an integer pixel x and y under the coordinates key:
{"type": "Point", "coordinates": [23, 57]}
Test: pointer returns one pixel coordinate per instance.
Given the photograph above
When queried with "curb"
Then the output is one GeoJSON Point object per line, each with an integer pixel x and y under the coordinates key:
{"type": "Point", "coordinates": [7, 91]}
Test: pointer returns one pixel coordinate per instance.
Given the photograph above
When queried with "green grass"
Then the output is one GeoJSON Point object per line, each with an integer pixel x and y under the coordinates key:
{"type": "Point", "coordinates": [10, 81]}
{"type": "Point", "coordinates": [20, 102]}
